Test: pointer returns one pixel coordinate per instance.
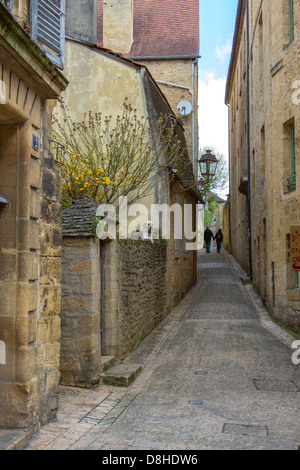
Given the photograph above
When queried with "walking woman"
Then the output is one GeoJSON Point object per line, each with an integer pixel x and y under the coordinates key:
{"type": "Point", "coordinates": [219, 239]}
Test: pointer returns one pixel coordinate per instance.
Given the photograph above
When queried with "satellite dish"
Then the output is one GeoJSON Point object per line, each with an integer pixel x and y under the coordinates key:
{"type": "Point", "coordinates": [184, 108]}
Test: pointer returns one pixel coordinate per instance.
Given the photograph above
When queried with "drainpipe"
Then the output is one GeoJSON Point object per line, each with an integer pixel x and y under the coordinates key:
{"type": "Point", "coordinates": [191, 90]}
{"type": "Point", "coordinates": [173, 84]}
{"type": "Point", "coordinates": [248, 145]}
{"type": "Point", "coordinates": [193, 117]}
{"type": "Point", "coordinates": [229, 173]}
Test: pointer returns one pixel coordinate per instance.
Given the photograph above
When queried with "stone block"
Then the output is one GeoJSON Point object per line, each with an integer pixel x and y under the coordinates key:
{"type": "Point", "coordinates": [82, 267]}
{"type": "Point", "coordinates": [34, 173]}
{"type": "Point", "coordinates": [34, 204]}
{"type": "Point", "coordinates": [91, 285]}
{"type": "Point", "coordinates": [89, 325]}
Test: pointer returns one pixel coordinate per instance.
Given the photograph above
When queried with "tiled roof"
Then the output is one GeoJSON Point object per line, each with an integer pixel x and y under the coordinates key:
{"type": "Point", "coordinates": [162, 28]}
{"type": "Point", "coordinates": [165, 28]}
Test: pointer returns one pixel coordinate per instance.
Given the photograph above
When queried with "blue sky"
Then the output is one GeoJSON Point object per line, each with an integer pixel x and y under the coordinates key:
{"type": "Point", "coordinates": [217, 22]}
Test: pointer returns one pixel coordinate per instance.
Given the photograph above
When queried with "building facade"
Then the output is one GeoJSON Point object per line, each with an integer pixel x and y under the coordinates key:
{"type": "Point", "coordinates": [263, 94]}
{"type": "Point", "coordinates": [109, 78]}
{"type": "Point", "coordinates": [164, 36]}
{"type": "Point", "coordinates": [30, 221]}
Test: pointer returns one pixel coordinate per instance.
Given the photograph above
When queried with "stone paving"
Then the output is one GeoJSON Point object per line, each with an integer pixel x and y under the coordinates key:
{"type": "Point", "coordinates": [217, 374]}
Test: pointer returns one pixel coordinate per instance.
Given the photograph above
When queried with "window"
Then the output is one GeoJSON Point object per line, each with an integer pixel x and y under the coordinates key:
{"type": "Point", "coordinates": [261, 46]}
{"type": "Point", "coordinates": [293, 157]}
{"type": "Point", "coordinates": [292, 276]}
{"type": "Point", "coordinates": [48, 28]}
{"type": "Point", "coordinates": [288, 22]}
{"type": "Point", "coordinates": [289, 152]}
{"type": "Point", "coordinates": [263, 151]}
{"type": "Point", "coordinates": [291, 20]}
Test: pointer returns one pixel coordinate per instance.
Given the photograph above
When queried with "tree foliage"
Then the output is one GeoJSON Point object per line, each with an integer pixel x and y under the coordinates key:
{"type": "Point", "coordinates": [220, 181]}
{"type": "Point", "coordinates": [106, 158]}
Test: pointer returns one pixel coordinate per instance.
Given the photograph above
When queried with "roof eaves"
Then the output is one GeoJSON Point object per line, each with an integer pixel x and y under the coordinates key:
{"type": "Point", "coordinates": [182, 57]}
{"type": "Point", "coordinates": [240, 10]}
{"type": "Point", "coordinates": [105, 51]}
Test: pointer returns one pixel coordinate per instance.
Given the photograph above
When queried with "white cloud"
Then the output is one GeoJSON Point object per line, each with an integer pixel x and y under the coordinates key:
{"type": "Point", "coordinates": [213, 113]}
{"type": "Point", "coordinates": [223, 51]}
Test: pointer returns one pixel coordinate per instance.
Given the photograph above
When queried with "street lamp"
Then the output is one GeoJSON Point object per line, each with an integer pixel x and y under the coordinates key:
{"type": "Point", "coordinates": [208, 166]}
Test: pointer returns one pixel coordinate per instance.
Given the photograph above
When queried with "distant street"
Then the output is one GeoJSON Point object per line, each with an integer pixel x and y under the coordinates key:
{"type": "Point", "coordinates": [213, 377]}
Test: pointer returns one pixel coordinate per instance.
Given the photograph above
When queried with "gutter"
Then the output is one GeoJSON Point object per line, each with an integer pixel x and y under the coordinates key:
{"type": "Point", "coordinates": [248, 143]}
{"type": "Point", "coordinates": [229, 172]}
{"type": "Point", "coordinates": [234, 47]}
{"type": "Point", "coordinates": [191, 91]}
{"type": "Point", "coordinates": [194, 57]}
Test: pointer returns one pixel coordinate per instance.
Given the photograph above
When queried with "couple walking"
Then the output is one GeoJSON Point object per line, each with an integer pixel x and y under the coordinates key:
{"type": "Point", "coordinates": [208, 235]}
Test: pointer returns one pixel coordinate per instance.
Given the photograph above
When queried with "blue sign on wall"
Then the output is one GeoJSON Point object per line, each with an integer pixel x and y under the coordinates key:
{"type": "Point", "coordinates": [35, 143]}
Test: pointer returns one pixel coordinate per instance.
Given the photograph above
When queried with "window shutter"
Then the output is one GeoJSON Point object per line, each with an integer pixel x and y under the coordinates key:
{"type": "Point", "coordinates": [48, 28]}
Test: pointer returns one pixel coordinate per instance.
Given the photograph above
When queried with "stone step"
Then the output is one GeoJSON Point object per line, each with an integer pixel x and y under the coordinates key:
{"type": "Point", "coordinates": [107, 362]}
{"type": "Point", "coordinates": [121, 375]}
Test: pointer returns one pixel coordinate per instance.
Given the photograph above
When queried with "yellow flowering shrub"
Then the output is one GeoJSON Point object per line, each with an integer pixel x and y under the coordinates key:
{"type": "Point", "coordinates": [106, 159]}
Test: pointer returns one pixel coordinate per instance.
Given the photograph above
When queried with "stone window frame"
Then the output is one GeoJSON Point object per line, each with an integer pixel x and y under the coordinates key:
{"type": "Point", "coordinates": [289, 155]}
{"type": "Point", "coordinates": [293, 277]}
{"type": "Point", "coordinates": [292, 21]}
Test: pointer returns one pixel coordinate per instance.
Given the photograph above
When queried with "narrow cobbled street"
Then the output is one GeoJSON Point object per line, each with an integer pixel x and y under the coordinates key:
{"type": "Point", "coordinates": [217, 374]}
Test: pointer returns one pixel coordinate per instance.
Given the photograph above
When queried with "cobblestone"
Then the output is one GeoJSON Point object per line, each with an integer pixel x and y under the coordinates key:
{"type": "Point", "coordinates": [217, 374]}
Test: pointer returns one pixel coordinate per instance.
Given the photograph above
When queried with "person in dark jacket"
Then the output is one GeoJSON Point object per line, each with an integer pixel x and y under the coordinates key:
{"type": "Point", "coordinates": [208, 235]}
{"type": "Point", "coordinates": [219, 239]}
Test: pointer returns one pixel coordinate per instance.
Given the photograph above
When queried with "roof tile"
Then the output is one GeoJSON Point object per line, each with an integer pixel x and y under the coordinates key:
{"type": "Point", "coordinates": [168, 28]}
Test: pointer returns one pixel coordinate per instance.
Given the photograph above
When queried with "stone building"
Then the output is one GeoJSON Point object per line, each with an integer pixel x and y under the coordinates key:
{"type": "Point", "coordinates": [30, 217]}
{"type": "Point", "coordinates": [110, 78]}
{"type": "Point", "coordinates": [163, 35]}
{"type": "Point", "coordinates": [263, 94]}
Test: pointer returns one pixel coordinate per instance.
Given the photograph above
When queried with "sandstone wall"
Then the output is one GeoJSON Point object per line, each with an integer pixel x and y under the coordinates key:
{"type": "Point", "coordinates": [80, 363]}
{"type": "Point", "coordinates": [274, 69]}
{"type": "Point", "coordinates": [134, 293]}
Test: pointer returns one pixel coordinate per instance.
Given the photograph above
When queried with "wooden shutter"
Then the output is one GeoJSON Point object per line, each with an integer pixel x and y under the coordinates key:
{"type": "Point", "coordinates": [48, 28]}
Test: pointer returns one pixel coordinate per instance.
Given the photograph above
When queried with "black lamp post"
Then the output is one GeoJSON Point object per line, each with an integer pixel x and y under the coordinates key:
{"type": "Point", "coordinates": [208, 166]}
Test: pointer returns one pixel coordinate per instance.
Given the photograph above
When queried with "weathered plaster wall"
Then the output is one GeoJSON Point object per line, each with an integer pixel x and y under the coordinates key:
{"type": "Point", "coordinates": [107, 81]}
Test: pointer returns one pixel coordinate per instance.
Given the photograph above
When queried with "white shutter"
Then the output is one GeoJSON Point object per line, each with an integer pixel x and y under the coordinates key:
{"type": "Point", "coordinates": [48, 28]}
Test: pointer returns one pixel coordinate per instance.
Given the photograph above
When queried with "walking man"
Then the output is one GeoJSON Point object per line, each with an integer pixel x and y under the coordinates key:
{"type": "Point", "coordinates": [208, 235]}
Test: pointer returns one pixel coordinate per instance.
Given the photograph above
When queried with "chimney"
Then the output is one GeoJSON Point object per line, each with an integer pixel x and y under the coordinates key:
{"type": "Point", "coordinates": [118, 25]}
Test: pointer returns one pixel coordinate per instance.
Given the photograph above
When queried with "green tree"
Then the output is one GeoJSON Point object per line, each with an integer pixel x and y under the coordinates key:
{"type": "Point", "coordinates": [220, 181]}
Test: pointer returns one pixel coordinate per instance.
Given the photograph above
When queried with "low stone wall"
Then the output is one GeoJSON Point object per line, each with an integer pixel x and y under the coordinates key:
{"type": "Point", "coordinates": [134, 293]}
{"type": "Point", "coordinates": [114, 293]}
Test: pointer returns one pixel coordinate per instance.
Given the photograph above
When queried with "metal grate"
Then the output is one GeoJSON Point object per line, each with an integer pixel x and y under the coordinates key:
{"type": "Point", "coordinates": [269, 385]}
{"type": "Point", "coordinates": [213, 265]}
